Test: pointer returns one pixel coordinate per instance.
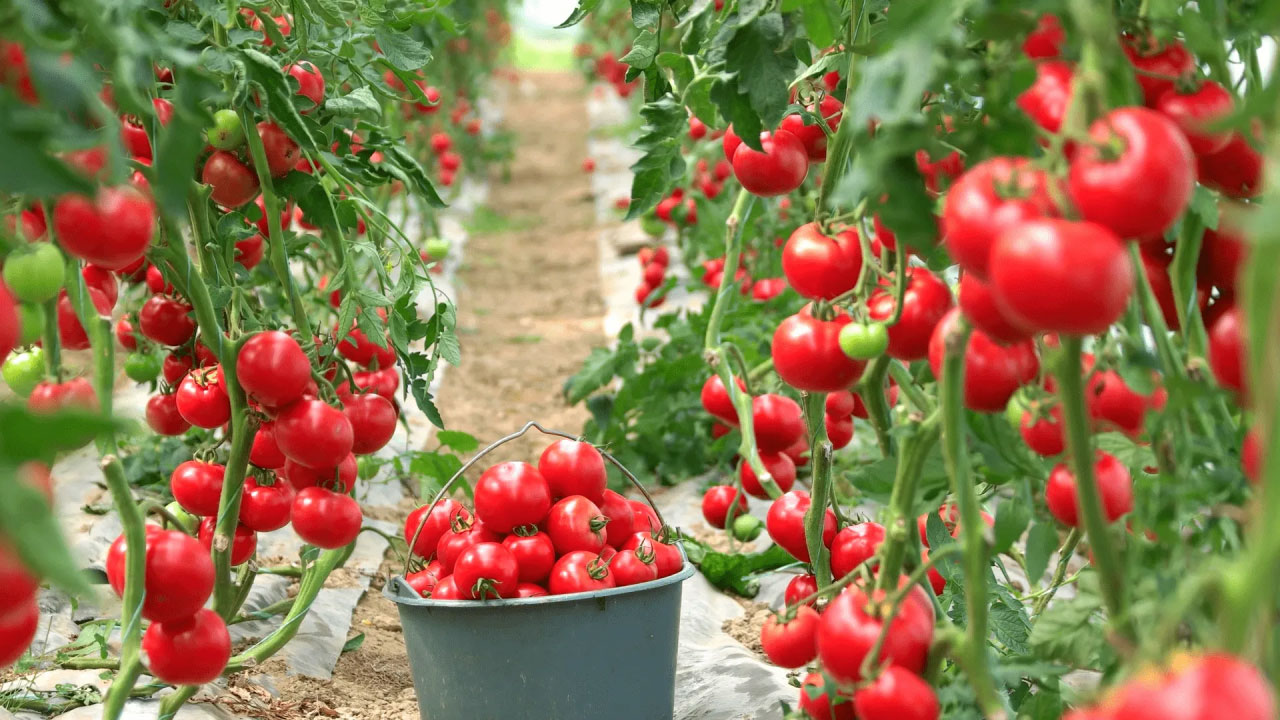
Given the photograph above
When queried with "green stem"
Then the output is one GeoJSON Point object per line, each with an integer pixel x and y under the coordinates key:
{"type": "Point", "coordinates": [894, 603]}
{"type": "Point", "coordinates": [243, 427]}
{"type": "Point", "coordinates": [871, 389]}
{"type": "Point", "coordinates": [907, 386]}
{"type": "Point", "coordinates": [135, 538]}
{"type": "Point", "coordinates": [733, 236]}
{"type": "Point", "coordinates": [101, 344]}
{"type": "Point", "coordinates": [901, 525]}
{"type": "Point", "coordinates": [820, 494]}
{"type": "Point", "coordinates": [51, 342]}
{"type": "Point", "coordinates": [1064, 558]}
{"type": "Point", "coordinates": [841, 146]}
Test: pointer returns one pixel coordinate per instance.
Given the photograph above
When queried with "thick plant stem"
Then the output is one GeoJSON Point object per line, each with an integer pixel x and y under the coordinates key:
{"type": "Point", "coordinates": [135, 538]}
{"type": "Point", "coordinates": [977, 567]}
{"type": "Point", "coordinates": [733, 251]}
{"type": "Point", "coordinates": [871, 389]}
{"type": "Point", "coordinates": [51, 343]}
{"type": "Point", "coordinates": [1080, 453]}
{"type": "Point", "coordinates": [820, 494]}
{"type": "Point", "coordinates": [228, 518]}
{"type": "Point", "coordinates": [915, 449]}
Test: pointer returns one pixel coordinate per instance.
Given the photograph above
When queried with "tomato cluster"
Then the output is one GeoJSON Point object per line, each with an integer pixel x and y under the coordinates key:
{"type": "Point", "coordinates": [550, 529]}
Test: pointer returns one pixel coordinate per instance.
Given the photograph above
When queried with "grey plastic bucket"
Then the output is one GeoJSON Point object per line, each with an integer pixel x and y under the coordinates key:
{"type": "Point", "coordinates": [605, 655]}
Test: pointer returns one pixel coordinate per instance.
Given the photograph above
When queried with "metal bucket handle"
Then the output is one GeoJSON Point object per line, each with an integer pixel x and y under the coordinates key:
{"type": "Point", "coordinates": [532, 424]}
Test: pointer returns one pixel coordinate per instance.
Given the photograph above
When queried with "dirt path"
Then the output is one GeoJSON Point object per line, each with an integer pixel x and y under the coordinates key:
{"type": "Point", "coordinates": [529, 313]}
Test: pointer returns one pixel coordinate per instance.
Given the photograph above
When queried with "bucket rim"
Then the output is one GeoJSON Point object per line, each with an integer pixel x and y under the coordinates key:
{"type": "Point", "coordinates": [407, 596]}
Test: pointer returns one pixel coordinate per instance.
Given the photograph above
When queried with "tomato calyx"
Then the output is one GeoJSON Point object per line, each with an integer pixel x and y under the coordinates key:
{"type": "Point", "coordinates": [525, 530]}
{"type": "Point", "coordinates": [487, 589]}
{"type": "Point", "coordinates": [598, 568]}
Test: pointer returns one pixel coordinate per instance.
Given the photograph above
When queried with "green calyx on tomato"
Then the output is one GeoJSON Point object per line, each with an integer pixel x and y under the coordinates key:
{"type": "Point", "coordinates": [227, 133]}
{"type": "Point", "coordinates": [22, 371]}
{"type": "Point", "coordinates": [863, 342]}
{"type": "Point", "coordinates": [747, 527]}
{"type": "Point", "coordinates": [142, 367]}
{"type": "Point", "coordinates": [34, 274]}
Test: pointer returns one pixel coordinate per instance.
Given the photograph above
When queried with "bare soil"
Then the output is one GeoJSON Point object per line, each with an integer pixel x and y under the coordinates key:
{"type": "Point", "coordinates": [745, 628]}
{"type": "Point", "coordinates": [529, 314]}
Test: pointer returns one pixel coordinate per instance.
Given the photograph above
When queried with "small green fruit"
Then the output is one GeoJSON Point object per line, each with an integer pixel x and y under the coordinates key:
{"type": "Point", "coordinates": [23, 371]}
{"type": "Point", "coordinates": [227, 133]}
{"type": "Point", "coordinates": [142, 367]}
{"type": "Point", "coordinates": [863, 342]}
{"type": "Point", "coordinates": [437, 248]}
{"type": "Point", "coordinates": [32, 320]}
{"type": "Point", "coordinates": [747, 527]}
{"type": "Point", "coordinates": [35, 273]}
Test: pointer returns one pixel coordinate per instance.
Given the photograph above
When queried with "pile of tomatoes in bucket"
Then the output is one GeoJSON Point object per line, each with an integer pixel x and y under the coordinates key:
{"type": "Point", "coordinates": [550, 529]}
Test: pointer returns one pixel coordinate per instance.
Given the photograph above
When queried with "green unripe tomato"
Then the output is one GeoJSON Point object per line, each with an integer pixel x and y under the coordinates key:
{"type": "Point", "coordinates": [31, 318]}
{"type": "Point", "coordinates": [34, 273]}
{"type": "Point", "coordinates": [189, 522]}
{"type": "Point", "coordinates": [23, 371]}
{"type": "Point", "coordinates": [142, 367]}
{"type": "Point", "coordinates": [437, 248]}
{"type": "Point", "coordinates": [747, 527]}
{"type": "Point", "coordinates": [227, 133]}
{"type": "Point", "coordinates": [366, 467]}
{"type": "Point", "coordinates": [652, 225]}
{"type": "Point", "coordinates": [863, 342]}
{"type": "Point", "coordinates": [1014, 410]}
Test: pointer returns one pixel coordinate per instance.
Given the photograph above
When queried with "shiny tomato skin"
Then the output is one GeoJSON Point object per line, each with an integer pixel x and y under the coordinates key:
{"type": "Point", "coordinates": [486, 570]}
{"type": "Point", "coordinates": [163, 417]}
{"type": "Point", "coordinates": [535, 555]}
{"type": "Point", "coordinates": [574, 468]}
{"type": "Point", "coordinates": [70, 330]}
{"type": "Point", "coordinates": [801, 587]}
{"type": "Point", "coordinates": [791, 643]}
{"type": "Point", "coordinates": [17, 629]}
{"type": "Point", "coordinates": [166, 320]}
{"type": "Point", "coordinates": [272, 368]}
{"type": "Point", "coordinates": [821, 707]}
{"type": "Point", "coordinates": [197, 486]}
{"type": "Point", "coordinates": [854, 545]}
{"type": "Point", "coordinates": [326, 519]}
{"type": "Point", "coordinates": [312, 433]}
{"type": "Point", "coordinates": [849, 630]}
{"type": "Point", "coordinates": [446, 589]}
{"type": "Point", "coordinates": [785, 523]}
{"type": "Point", "coordinates": [1045, 435]}
{"type": "Point", "coordinates": [1194, 110]}
{"type": "Point", "coordinates": [1115, 486]}
{"type": "Point", "coordinates": [310, 83]}
{"type": "Point", "coordinates": [667, 556]}
{"type": "Point", "coordinates": [511, 494]}
{"type": "Point", "coordinates": [729, 143]}
{"type": "Point", "coordinates": [423, 531]}
{"type": "Point", "coordinates": [897, 694]}
{"type": "Point", "coordinates": [233, 182]}
{"type": "Point", "coordinates": [17, 585]}
{"type": "Point", "coordinates": [925, 301]}
{"type": "Point", "coordinates": [643, 517]}
{"type": "Point", "coordinates": [102, 280]}
{"type": "Point", "coordinates": [579, 571]}
{"type": "Point", "coordinates": [780, 466]}
{"type": "Point", "coordinates": [1227, 351]}
{"type": "Point", "coordinates": [778, 170]}
{"type": "Point", "coordinates": [1143, 190]}
{"type": "Point", "coordinates": [1113, 405]}
{"type": "Point", "coordinates": [778, 422]}
{"type": "Point", "coordinates": [812, 136]}
{"type": "Point", "coordinates": [111, 230]}
{"type": "Point", "coordinates": [202, 399]}
{"type": "Point", "coordinates": [718, 501]}
{"type": "Point", "coordinates": [264, 508]}
{"type": "Point", "coordinates": [188, 651]}
{"type": "Point", "coordinates": [264, 452]}
{"type": "Point", "coordinates": [50, 397]}
{"type": "Point", "coordinates": [819, 266]}
{"type": "Point", "coordinates": [839, 404]}
{"type": "Point", "coordinates": [622, 516]}
{"type": "Point", "coordinates": [341, 478]}
{"type": "Point", "coordinates": [1157, 67]}
{"type": "Point", "coordinates": [179, 574]}
{"type": "Point", "coordinates": [1235, 170]}
{"type": "Point", "coordinates": [992, 372]}
{"type": "Point", "coordinates": [629, 568]}
{"type": "Point", "coordinates": [716, 401]}
{"type": "Point", "coordinates": [373, 422]}
{"type": "Point", "coordinates": [244, 542]}
{"type": "Point", "coordinates": [989, 198]}
{"type": "Point", "coordinates": [1046, 101]}
{"type": "Point", "coordinates": [983, 312]}
{"type": "Point", "coordinates": [281, 151]}
{"type": "Point", "coordinates": [576, 523]}
{"type": "Point", "coordinates": [807, 355]}
{"type": "Point", "coordinates": [1061, 276]}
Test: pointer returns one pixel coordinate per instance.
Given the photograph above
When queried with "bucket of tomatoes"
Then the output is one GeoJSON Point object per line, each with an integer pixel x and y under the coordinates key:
{"type": "Point", "coordinates": [552, 596]}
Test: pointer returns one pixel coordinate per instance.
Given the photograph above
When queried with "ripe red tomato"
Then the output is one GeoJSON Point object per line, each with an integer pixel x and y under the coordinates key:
{"type": "Point", "coordinates": [807, 355]}
{"type": "Point", "coordinates": [719, 500]}
{"type": "Point", "coordinates": [632, 567]}
{"type": "Point", "coordinates": [622, 516]}
{"type": "Point", "coordinates": [340, 478]}
{"type": "Point", "coordinates": [530, 590]}
{"type": "Point", "coordinates": [50, 397]}
{"type": "Point", "coordinates": [715, 399]}
{"type": "Point", "coordinates": [111, 230]}
{"type": "Point", "coordinates": [166, 320]}
{"type": "Point", "coordinates": [202, 400]}
{"type": "Point", "coordinates": [992, 372]}
{"type": "Point", "coordinates": [780, 466]}
{"type": "Point", "coordinates": [310, 83]}
{"type": "Point", "coordinates": [950, 515]}
{"type": "Point", "coordinates": [243, 544]}
{"type": "Point", "coordinates": [1214, 686]}
{"type": "Point", "coordinates": [574, 468]}
{"type": "Point", "coordinates": [979, 306]}
{"type": "Point", "coordinates": [1044, 435]}
{"type": "Point", "coordinates": [1045, 102]}
{"type": "Point", "coordinates": [534, 554]}
{"type": "Point", "coordinates": [10, 323]}
{"type": "Point", "coordinates": [799, 588]}
{"type": "Point", "coordinates": [312, 433]}
{"type": "Point", "coordinates": [70, 332]}
{"type": "Point", "coordinates": [1114, 405]}
{"type": "Point", "coordinates": [326, 519]}
{"type": "Point", "coordinates": [839, 404]}
{"type": "Point", "coordinates": [897, 694]}
{"type": "Point", "coordinates": [729, 143]}
{"type": "Point", "coordinates": [281, 151]}
{"type": "Point", "coordinates": [854, 545]}
{"type": "Point", "coordinates": [1115, 486]}
{"type": "Point", "coordinates": [785, 523]}
{"type": "Point", "coordinates": [778, 170]}
{"type": "Point", "coordinates": [580, 571]}
{"type": "Point", "coordinates": [992, 196]}
{"type": "Point", "coordinates": [264, 452]}
{"type": "Point", "coordinates": [486, 570]}
{"type": "Point", "coordinates": [924, 302]}
{"type": "Point", "coordinates": [791, 642]}
{"type": "Point", "coordinates": [373, 421]}
{"type": "Point", "coordinates": [179, 574]}
{"type": "Point", "coordinates": [1046, 40]}
{"type": "Point", "coordinates": [667, 558]}
{"type": "Point", "coordinates": [125, 334]}
{"type": "Point", "coordinates": [850, 626]}
{"type": "Point", "coordinates": [1157, 67]}
{"type": "Point", "coordinates": [197, 486]}
{"type": "Point", "coordinates": [102, 280]}
{"type": "Point", "coordinates": [1061, 276]}
{"type": "Point", "coordinates": [17, 630]}
{"type": "Point", "coordinates": [425, 580]}
{"type": "Point", "coordinates": [264, 508]}
{"type": "Point", "coordinates": [17, 585]}
{"type": "Point", "coordinates": [446, 589]}
{"type": "Point", "coordinates": [821, 707]}
{"type": "Point", "coordinates": [429, 528]}
{"type": "Point", "coordinates": [576, 523]}
{"type": "Point", "coordinates": [1227, 352]}
{"type": "Point", "coordinates": [778, 422]}
{"type": "Point", "coordinates": [1234, 171]}
{"type": "Point", "coordinates": [1222, 253]}
{"type": "Point", "coordinates": [188, 651]}
{"type": "Point", "coordinates": [176, 367]}
{"type": "Point", "coordinates": [812, 136]}
{"type": "Point", "coordinates": [512, 494]}
{"type": "Point", "coordinates": [272, 368]}
{"type": "Point", "coordinates": [233, 183]}
{"type": "Point", "coordinates": [643, 518]}
{"type": "Point", "coordinates": [1193, 111]}
{"type": "Point", "coordinates": [163, 416]}
{"type": "Point", "coordinates": [459, 538]}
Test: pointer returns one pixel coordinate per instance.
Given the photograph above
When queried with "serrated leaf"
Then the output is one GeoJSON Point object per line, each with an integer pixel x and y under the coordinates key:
{"type": "Point", "coordinates": [356, 102]}
{"type": "Point", "coordinates": [646, 13]}
{"type": "Point", "coordinates": [763, 72]}
{"type": "Point", "coordinates": [1012, 518]}
{"type": "Point", "coordinates": [402, 50]}
{"type": "Point", "coordinates": [643, 49]}
{"type": "Point", "coordinates": [458, 440]}
{"type": "Point", "coordinates": [585, 7]}
{"type": "Point", "coordinates": [1042, 540]}
{"type": "Point", "coordinates": [264, 72]}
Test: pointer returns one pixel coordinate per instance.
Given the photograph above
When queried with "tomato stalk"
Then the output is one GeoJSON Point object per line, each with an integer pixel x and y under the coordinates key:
{"type": "Point", "coordinates": [919, 440]}
{"type": "Point", "coordinates": [907, 386]}
{"type": "Point", "coordinates": [871, 389]}
{"type": "Point", "coordinates": [820, 491]}
{"type": "Point", "coordinates": [977, 565]}
{"type": "Point", "coordinates": [50, 341]}
{"type": "Point", "coordinates": [135, 538]}
{"type": "Point", "coordinates": [1080, 454]}
{"type": "Point", "coordinates": [840, 148]}
{"type": "Point", "coordinates": [894, 597]}
{"type": "Point", "coordinates": [1059, 573]}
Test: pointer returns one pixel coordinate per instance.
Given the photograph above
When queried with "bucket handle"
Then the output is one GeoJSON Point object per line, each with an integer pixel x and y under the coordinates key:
{"type": "Point", "coordinates": [532, 424]}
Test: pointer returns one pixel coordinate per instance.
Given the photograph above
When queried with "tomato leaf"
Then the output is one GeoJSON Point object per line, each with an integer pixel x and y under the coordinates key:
{"type": "Point", "coordinates": [402, 50]}
{"type": "Point", "coordinates": [1042, 541]}
{"type": "Point", "coordinates": [763, 72]}
{"type": "Point", "coordinates": [646, 14]}
{"type": "Point", "coordinates": [585, 7]}
{"type": "Point", "coordinates": [357, 102]}
{"type": "Point", "coordinates": [733, 571]}
{"type": "Point", "coordinates": [457, 440]}
{"type": "Point", "coordinates": [1012, 518]}
{"type": "Point", "coordinates": [265, 73]}
{"type": "Point", "coordinates": [643, 49]}
{"type": "Point", "coordinates": [662, 162]}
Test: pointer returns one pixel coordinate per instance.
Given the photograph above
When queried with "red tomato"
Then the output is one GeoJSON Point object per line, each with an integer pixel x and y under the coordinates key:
{"type": "Point", "coordinates": [125, 334]}
{"type": "Point", "coordinates": [1157, 67]}
{"type": "Point", "coordinates": [812, 136]}
{"type": "Point", "coordinates": [446, 589]}
{"type": "Point", "coordinates": [793, 642]}
{"type": "Point", "coordinates": [718, 501]}
{"type": "Point", "coordinates": [50, 397]}
{"type": "Point", "coordinates": [1046, 40]}
{"type": "Point", "coordinates": [340, 478]}
{"type": "Point", "coordinates": [243, 544]}
{"type": "Point", "coordinates": [179, 574]}
{"type": "Point", "coordinates": [622, 516]}
{"type": "Point", "coordinates": [779, 465]}
{"type": "Point", "coordinates": [799, 588]}
{"type": "Point", "coordinates": [1061, 276]}
{"type": "Point", "coordinates": [423, 531]}
{"type": "Point", "coordinates": [1045, 102]}
{"type": "Point", "coordinates": [1214, 686]}
{"type": "Point", "coordinates": [950, 515]}
{"type": "Point", "coordinates": [1195, 110]}
{"type": "Point", "coordinates": [1114, 405]}
{"type": "Point", "coordinates": [281, 151]}
{"type": "Point", "coordinates": [1251, 456]}
{"type": "Point", "coordinates": [511, 494]}
{"type": "Point", "coordinates": [17, 630]}
{"type": "Point", "coordinates": [1235, 170]}
{"type": "Point", "coordinates": [839, 404]}
{"type": "Point", "coordinates": [534, 554]}
{"type": "Point", "coordinates": [17, 585]}
{"type": "Point", "coordinates": [854, 545]}
{"type": "Point", "coordinates": [1227, 352]}
{"type": "Point", "coordinates": [897, 694]}
{"type": "Point", "coordinates": [979, 306]}
{"type": "Point", "coordinates": [632, 567]}
{"type": "Point", "coordinates": [778, 422]}
{"type": "Point", "coordinates": [580, 571]}
{"type": "Point", "coordinates": [272, 368]}
{"type": "Point", "coordinates": [264, 452]}
{"type": "Point", "coordinates": [820, 707]}
{"type": "Point", "coordinates": [10, 322]}
{"type": "Point", "coordinates": [312, 433]}
{"type": "Point", "coordinates": [426, 579]}
{"type": "Point", "coordinates": [730, 143]}
{"type": "Point", "coordinates": [1044, 435]}
{"type": "Point", "coordinates": [806, 353]}
{"type": "Point", "coordinates": [530, 590]}
{"type": "Point", "coordinates": [992, 372]}
{"type": "Point", "coordinates": [643, 517]}
{"type": "Point", "coordinates": [326, 519]}
{"type": "Point", "coordinates": [1141, 189]}
{"type": "Point", "coordinates": [459, 538]}
{"type": "Point", "coordinates": [573, 468]}
{"type": "Point", "coordinates": [102, 280]}
{"type": "Point", "coordinates": [839, 431]}
{"type": "Point", "coordinates": [991, 197]}
{"type": "Point", "coordinates": [197, 486]}
{"type": "Point", "coordinates": [666, 556]}
{"type": "Point", "coordinates": [1222, 253]}
{"type": "Point", "coordinates": [264, 508]}
{"type": "Point", "coordinates": [166, 320]}
{"type": "Point", "coordinates": [373, 421]}
{"type": "Point", "coordinates": [70, 331]}
{"type": "Point", "coordinates": [111, 230]}
{"type": "Point", "coordinates": [785, 523]}
{"type": "Point", "coordinates": [1115, 486]}
{"type": "Point", "coordinates": [188, 651]}
{"type": "Point", "coordinates": [310, 83]}
{"type": "Point", "coordinates": [575, 523]}
{"type": "Point", "coordinates": [778, 170]}
{"type": "Point", "coordinates": [233, 183]}
{"type": "Point", "coordinates": [715, 399]}
{"type": "Point", "coordinates": [486, 570]}
{"type": "Point", "coordinates": [202, 399]}
{"type": "Point", "coordinates": [926, 300]}
{"type": "Point", "coordinates": [850, 626]}
{"type": "Point", "coordinates": [163, 416]}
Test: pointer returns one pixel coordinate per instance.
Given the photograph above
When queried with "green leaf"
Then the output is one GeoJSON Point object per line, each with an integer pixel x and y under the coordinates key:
{"type": "Point", "coordinates": [264, 72]}
{"type": "Point", "coordinates": [939, 537]}
{"type": "Point", "coordinates": [401, 49]}
{"type": "Point", "coordinates": [438, 467]}
{"type": "Point", "coordinates": [353, 644]}
{"type": "Point", "coordinates": [643, 49]}
{"type": "Point", "coordinates": [357, 102]}
{"type": "Point", "coordinates": [820, 21]}
{"type": "Point", "coordinates": [646, 13]}
{"type": "Point", "coordinates": [458, 440]}
{"type": "Point", "coordinates": [585, 7]}
{"type": "Point", "coordinates": [179, 145]}
{"type": "Point", "coordinates": [1071, 631]}
{"type": "Point", "coordinates": [763, 72]}
{"type": "Point", "coordinates": [1012, 518]}
{"type": "Point", "coordinates": [732, 571]}
{"type": "Point", "coordinates": [1042, 541]}
{"type": "Point", "coordinates": [28, 523]}
{"type": "Point", "coordinates": [662, 163]}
